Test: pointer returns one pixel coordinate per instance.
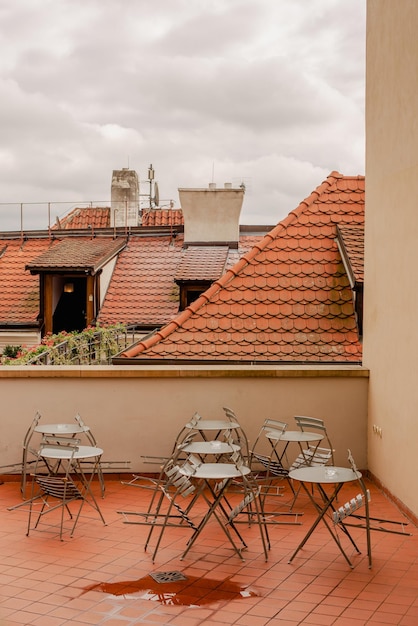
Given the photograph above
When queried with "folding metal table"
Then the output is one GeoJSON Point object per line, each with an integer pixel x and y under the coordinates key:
{"type": "Point", "coordinates": [320, 476]}
{"type": "Point", "coordinates": [222, 474]}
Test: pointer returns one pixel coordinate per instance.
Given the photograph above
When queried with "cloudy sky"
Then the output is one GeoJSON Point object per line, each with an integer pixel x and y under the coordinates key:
{"type": "Point", "coordinates": [265, 92]}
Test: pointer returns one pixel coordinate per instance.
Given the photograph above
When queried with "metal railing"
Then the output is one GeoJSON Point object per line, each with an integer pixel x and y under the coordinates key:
{"type": "Point", "coordinates": [97, 348]}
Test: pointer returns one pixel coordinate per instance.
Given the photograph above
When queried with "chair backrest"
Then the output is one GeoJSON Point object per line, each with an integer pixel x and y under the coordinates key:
{"type": "Point", "coordinates": [196, 417]}
{"type": "Point", "coordinates": [59, 487]}
{"type": "Point", "coordinates": [306, 423]}
{"type": "Point", "coordinates": [184, 433]}
{"type": "Point", "coordinates": [86, 430]}
{"type": "Point", "coordinates": [274, 426]}
{"type": "Point", "coordinates": [80, 422]}
{"type": "Point", "coordinates": [230, 414]}
{"type": "Point", "coordinates": [315, 424]}
{"type": "Point", "coordinates": [241, 437]}
{"type": "Point", "coordinates": [269, 426]}
{"type": "Point", "coordinates": [51, 444]}
{"type": "Point", "coordinates": [30, 431]}
{"type": "Point", "coordinates": [178, 481]}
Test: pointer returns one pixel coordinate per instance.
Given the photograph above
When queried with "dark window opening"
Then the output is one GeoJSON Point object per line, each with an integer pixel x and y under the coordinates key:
{"type": "Point", "coordinates": [70, 312]}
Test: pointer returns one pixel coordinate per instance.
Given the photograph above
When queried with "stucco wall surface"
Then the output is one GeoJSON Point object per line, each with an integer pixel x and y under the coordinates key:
{"type": "Point", "coordinates": [391, 250]}
{"type": "Point", "coordinates": [138, 411]}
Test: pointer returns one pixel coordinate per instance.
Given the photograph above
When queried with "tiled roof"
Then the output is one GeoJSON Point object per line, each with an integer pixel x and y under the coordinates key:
{"type": "Point", "coordinates": [352, 241]}
{"type": "Point", "coordinates": [162, 217]}
{"type": "Point", "coordinates": [84, 217]}
{"type": "Point", "coordinates": [202, 263]}
{"type": "Point", "coordinates": [99, 217]}
{"type": "Point", "coordinates": [79, 254]}
{"type": "Point", "coordinates": [142, 291]}
{"type": "Point", "coordinates": [19, 290]}
{"type": "Point", "coordinates": [287, 300]}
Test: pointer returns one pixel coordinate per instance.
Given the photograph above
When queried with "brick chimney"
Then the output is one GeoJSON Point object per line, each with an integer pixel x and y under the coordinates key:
{"type": "Point", "coordinates": [211, 216]}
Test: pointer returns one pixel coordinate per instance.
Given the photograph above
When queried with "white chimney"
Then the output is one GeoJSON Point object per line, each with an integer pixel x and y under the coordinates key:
{"type": "Point", "coordinates": [211, 215]}
{"type": "Point", "coordinates": [124, 198]}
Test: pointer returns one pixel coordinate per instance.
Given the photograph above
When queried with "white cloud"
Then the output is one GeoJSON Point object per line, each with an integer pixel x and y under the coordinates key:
{"type": "Point", "coordinates": [266, 91]}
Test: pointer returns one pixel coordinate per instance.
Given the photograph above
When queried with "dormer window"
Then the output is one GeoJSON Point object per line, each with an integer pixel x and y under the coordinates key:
{"type": "Point", "coordinates": [199, 267]}
{"type": "Point", "coordinates": [189, 292]}
{"type": "Point", "coordinates": [69, 278]}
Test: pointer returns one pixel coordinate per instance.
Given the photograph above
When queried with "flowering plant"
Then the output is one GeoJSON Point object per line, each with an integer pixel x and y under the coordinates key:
{"type": "Point", "coordinates": [94, 345]}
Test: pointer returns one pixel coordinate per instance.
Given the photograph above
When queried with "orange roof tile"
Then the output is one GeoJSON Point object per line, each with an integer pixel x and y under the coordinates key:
{"type": "Point", "coordinates": [162, 217]}
{"type": "Point", "coordinates": [352, 241]}
{"type": "Point", "coordinates": [248, 315]}
{"type": "Point", "coordinates": [84, 217]}
{"type": "Point", "coordinates": [142, 291]}
{"type": "Point", "coordinates": [99, 217]}
{"type": "Point", "coordinates": [78, 254]}
{"type": "Point", "coordinates": [19, 302]}
{"type": "Point", "coordinates": [201, 263]}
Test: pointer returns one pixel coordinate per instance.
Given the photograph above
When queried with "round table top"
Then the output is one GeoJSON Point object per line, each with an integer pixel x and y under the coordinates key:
{"type": "Point", "coordinates": [210, 447]}
{"type": "Point", "coordinates": [324, 474]}
{"type": "Point", "coordinates": [290, 436]}
{"type": "Point", "coordinates": [213, 425]}
{"type": "Point", "coordinates": [217, 471]}
{"type": "Point", "coordinates": [66, 452]}
{"type": "Point", "coordinates": [60, 429]}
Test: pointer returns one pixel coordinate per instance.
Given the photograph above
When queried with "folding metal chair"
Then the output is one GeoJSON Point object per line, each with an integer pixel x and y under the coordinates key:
{"type": "Point", "coordinates": [349, 511]}
{"type": "Point", "coordinates": [61, 488]}
{"type": "Point", "coordinates": [313, 455]}
{"type": "Point", "coordinates": [264, 457]}
{"type": "Point", "coordinates": [27, 451]}
{"type": "Point", "coordinates": [167, 489]}
{"type": "Point", "coordinates": [91, 438]}
{"type": "Point", "coordinates": [253, 511]}
{"type": "Point", "coordinates": [238, 434]}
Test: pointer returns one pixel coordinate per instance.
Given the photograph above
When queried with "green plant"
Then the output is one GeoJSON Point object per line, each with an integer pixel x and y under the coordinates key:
{"type": "Point", "coordinates": [11, 351]}
{"type": "Point", "coordinates": [93, 345]}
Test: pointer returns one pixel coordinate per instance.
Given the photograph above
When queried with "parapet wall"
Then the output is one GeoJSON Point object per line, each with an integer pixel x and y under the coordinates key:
{"type": "Point", "coordinates": [136, 411]}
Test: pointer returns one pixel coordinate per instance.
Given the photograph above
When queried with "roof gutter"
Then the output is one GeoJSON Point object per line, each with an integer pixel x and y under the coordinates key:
{"type": "Point", "coordinates": [118, 360]}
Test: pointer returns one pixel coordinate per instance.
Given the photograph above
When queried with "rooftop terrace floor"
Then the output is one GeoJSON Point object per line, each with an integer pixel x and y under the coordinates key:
{"type": "Point", "coordinates": [102, 574]}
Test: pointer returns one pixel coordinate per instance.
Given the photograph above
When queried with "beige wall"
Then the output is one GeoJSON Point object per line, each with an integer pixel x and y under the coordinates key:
{"type": "Point", "coordinates": [138, 411]}
{"type": "Point", "coordinates": [19, 338]}
{"type": "Point", "coordinates": [391, 293]}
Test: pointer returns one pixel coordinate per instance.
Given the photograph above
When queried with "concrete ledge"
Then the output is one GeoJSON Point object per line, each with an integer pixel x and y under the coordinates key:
{"type": "Point", "coordinates": [185, 371]}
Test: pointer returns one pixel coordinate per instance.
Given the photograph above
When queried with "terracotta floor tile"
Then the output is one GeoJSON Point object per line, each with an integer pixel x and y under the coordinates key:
{"type": "Point", "coordinates": [291, 615]}
{"type": "Point", "coordinates": [380, 617]}
{"type": "Point", "coordinates": [408, 621]}
{"type": "Point", "coordinates": [349, 621]}
{"type": "Point", "coordinates": [328, 609]}
{"type": "Point", "coordinates": [45, 582]}
{"type": "Point", "coordinates": [250, 620]}
{"type": "Point", "coordinates": [321, 620]}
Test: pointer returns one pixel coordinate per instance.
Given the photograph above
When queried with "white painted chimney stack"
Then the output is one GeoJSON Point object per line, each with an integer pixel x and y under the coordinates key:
{"type": "Point", "coordinates": [211, 215]}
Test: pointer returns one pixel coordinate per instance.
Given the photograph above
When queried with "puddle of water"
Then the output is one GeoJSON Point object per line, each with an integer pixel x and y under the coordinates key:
{"type": "Point", "coordinates": [192, 592]}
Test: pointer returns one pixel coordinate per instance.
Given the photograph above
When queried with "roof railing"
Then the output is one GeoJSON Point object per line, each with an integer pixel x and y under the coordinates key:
{"type": "Point", "coordinates": [97, 348]}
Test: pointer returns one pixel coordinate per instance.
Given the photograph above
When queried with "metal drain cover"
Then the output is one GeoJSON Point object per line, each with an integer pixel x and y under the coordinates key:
{"type": "Point", "coordinates": [168, 577]}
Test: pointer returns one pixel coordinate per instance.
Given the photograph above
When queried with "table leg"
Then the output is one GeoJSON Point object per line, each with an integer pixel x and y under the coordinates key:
{"type": "Point", "coordinates": [88, 494]}
{"type": "Point", "coordinates": [328, 503]}
{"type": "Point", "coordinates": [212, 511]}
